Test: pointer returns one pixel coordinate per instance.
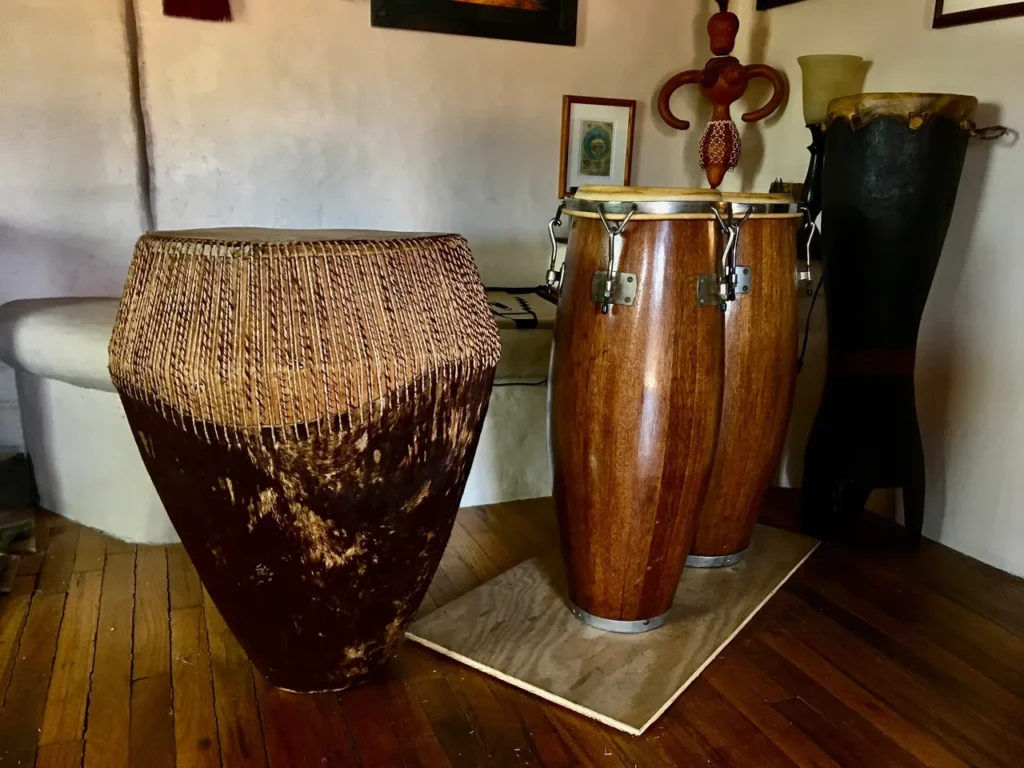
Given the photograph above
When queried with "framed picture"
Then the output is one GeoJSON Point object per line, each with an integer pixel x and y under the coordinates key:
{"type": "Point", "coordinates": [767, 5]}
{"type": "Point", "coordinates": [533, 21]}
{"type": "Point", "coordinates": [953, 13]}
{"type": "Point", "coordinates": [597, 143]}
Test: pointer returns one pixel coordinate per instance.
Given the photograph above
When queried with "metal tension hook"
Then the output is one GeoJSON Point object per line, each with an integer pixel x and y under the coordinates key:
{"type": "Point", "coordinates": [554, 278]}
{"type": "Point", "coordinates": [613, 230]}
{"type": "Point", "coordinates": [731, 229]}
{"type": "Point", "coordinates": [805, 275]}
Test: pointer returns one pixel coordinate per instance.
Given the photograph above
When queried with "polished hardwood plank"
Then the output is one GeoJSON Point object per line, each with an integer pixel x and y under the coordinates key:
{"type": "Point", "coordinates": [13, 612]}
{"type": "Point", "coordinates": [64, 716]}
{"type": "Point", "coordinates": [303, 730]}
{"type": "Point", "coordinates": [64, 755]}
{"type": "Point", "coordinates": [107, 733]}
{"type": "Point", "coordinates": [90, 552]}
{"type": "Point", "coordinates": [238, 716]}
{"type": "Point", "coordinates": [871, 655]}
{"type": "Point", "coordinates": [365, 713]}
{"type": "Point", "coordinates": [22, 713]}
{"type": "Point", "coordinates": [183, 585]}
{"type": "Point", "coordinates": [151, 736]}
{"type": "Point", "coordinates": [59, 562]}
{"type": "Point", "coordinates": [151, 652]}
{"type": "Point", "coordinates": [195, 724]}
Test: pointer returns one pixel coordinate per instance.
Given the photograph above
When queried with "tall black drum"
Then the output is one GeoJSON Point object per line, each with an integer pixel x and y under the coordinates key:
{"type": "Point", "coordinates": [892, 168]}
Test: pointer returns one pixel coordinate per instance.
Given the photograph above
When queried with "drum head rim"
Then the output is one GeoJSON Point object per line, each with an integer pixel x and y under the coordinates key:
{"type": "Point", "coordinates": [604, 194]}
{"type": "Point", "coordinates": [617, 626]}
{"type": "Point", "coordinates": [665, 209]}
{"type": "Point", "coordinates": [717, 561]}
{"type": "Point", "coordinates": [617, 209]}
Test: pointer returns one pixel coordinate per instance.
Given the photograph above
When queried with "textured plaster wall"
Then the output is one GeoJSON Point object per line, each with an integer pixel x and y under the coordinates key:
{"type": "Point", "coordinates": [68, 194]}
{"type": "Point", "coordinates": [302, 115]}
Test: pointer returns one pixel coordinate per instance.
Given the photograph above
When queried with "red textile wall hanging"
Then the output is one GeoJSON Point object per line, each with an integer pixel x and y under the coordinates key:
{"type": "Point", "coordinates": [204, 10]}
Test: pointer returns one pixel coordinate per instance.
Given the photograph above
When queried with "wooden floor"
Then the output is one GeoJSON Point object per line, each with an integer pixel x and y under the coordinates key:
{"type": "Point", "coordinates": [111, 655]}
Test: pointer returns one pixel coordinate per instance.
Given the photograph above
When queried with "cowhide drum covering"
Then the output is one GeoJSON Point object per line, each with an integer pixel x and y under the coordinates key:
{"type": "Point", "coordinates": [308, 405]}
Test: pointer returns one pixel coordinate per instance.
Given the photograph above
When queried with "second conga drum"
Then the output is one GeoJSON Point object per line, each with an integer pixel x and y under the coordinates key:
{"type": "Point", "coordinates": [635, 396]}
{"type": "Point", "coordinates": [760, 377]}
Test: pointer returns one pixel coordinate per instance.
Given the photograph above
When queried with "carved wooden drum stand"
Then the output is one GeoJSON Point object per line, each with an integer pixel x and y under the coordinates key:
{"type": "Point", "coordinates": [635, 398]}
{"type": "Point", "coordinates": [760, 377]}
{"type": "Point", "coordinates": [308, 405]}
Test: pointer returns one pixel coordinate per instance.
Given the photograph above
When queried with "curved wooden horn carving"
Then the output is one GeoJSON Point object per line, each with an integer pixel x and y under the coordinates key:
{"type": "Point", "coordinates": [690, 77]}
{"type": "Point", "coordinates": [778, 96]}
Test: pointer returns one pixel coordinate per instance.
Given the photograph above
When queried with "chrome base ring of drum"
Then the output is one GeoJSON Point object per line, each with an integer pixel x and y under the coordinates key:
{"type": "Point", "coordinates": [614, 625]}
{"type": "Point", "coordinates": [720, 561]}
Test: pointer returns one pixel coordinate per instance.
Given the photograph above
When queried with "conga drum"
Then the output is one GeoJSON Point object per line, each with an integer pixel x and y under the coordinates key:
{"type": "Point", "coordinates": [635, 396]}
{"type": "Point", "coordinates": [308, 405]}
{"type": "Point", "coordinates": [761, 331]}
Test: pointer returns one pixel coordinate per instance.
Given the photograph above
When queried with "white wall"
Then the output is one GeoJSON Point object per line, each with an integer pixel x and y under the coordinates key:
{"type": "Point", "coordinates": [301, 114]}
{"type": "Point", "coordinates": [971, 360]}
{"type": "Point", "coordinates": [69, 210]}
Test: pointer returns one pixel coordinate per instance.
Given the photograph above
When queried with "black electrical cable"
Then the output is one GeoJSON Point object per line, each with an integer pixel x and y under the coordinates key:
{"type": "Point", "coordinates": [807, 329]}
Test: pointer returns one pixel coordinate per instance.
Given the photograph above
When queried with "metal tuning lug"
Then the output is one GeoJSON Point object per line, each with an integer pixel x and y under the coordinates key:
{"type": "Point", "coordinates": [622, 291]}
{"type": "Point", "coordinates": [735, 279]}
{"type": "Point", "coordinates": [554, 276]}
{"type": "Point", "coordinates": [709, 290]}
{"type": "Point", "coordinates": [744, 280]}
{"type": "Point", "coordinates": [805, 275]}
{"type": "Point", "coordinates": [610, 287]}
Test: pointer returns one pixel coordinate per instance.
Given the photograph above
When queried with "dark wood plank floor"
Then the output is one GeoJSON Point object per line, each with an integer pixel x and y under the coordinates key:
{"type": "Point", "coordinates": [112, 655]}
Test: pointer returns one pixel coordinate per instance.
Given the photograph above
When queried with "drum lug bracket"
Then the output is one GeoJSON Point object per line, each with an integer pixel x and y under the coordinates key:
{"type": "Point", "coordinates": [709, 290]}
{"type": "Point", "coordinates": [743, 280]}
{"type": "Point", "coordinates": [623, 288]}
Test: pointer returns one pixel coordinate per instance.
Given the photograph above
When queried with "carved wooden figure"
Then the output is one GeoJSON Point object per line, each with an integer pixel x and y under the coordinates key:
{"type": "Point", "coordinates": [723, 81]}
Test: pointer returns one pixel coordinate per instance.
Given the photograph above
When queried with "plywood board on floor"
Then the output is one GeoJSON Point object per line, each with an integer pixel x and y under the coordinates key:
{"type": "Point", "coordinates": [518, 628]}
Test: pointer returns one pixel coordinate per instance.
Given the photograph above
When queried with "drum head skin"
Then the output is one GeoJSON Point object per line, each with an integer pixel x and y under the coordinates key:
{"type": "Point", "coordinates": [647, 195]}
{"type": "Point", "coordinates": [774, 205]}
{"type": "Point", "coordinates": [755, 198]}
{"type": "Point", "coordinates": [647, 203]}
{"type": "Point", "coordinates": [661, 203]}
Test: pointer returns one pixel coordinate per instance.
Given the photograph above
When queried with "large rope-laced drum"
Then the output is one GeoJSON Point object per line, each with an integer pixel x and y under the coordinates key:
{"type": "Point", "coordinates": [308, 405]}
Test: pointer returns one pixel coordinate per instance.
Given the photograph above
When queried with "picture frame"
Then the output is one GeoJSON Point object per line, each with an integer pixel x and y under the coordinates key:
{"type": "Point", "coordinates": [597, 143]}
{"type": "Point", "coordinates": [533, 21]}
{"type": "Point", "coordinates": [767, 5]}
{"type": "Point", "coordinates": [955, 13]}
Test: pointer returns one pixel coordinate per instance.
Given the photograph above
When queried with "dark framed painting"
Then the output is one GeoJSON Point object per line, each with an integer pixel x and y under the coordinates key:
{"type": "Point", "coordinates": [767, 5]}
{"type": "Point", "coordinates": [953, 13]}
{"type": "Point", "coordinates": [533, 21]}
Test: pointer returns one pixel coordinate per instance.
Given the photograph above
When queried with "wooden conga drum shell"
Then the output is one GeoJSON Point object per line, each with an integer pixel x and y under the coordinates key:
{"type": "Point", "coordinates": [634, 410]}
{"type": "Point", "coordinates": [308, 406]}
{"type": "Point", "coordinates": [761, 333]}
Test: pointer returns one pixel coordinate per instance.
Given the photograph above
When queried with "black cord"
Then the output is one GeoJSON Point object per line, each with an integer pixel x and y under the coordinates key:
{"type": "Point", "coordinates": [522, 384]}
{"type": "Point", "coordinates": [807, 329]}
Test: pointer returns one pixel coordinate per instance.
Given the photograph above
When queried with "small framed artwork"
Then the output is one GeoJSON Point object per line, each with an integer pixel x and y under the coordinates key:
{"type": "Point", "coordinates": [532, 21]}
{"type": "Point", "coordinates": [953, 13]}
{"type": "Point", "coordinates": [597, 143]}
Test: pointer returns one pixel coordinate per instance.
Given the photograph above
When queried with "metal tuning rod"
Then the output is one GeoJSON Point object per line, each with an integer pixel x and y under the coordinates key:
{"type": "Point", "coordinates": [554, 277]}
{"type": "Point", "coordinates": [735, 279]}
{"type": "Point", "coordinates": [619, 288]}
{"type": "Point", "coordinates": [805, 275]}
